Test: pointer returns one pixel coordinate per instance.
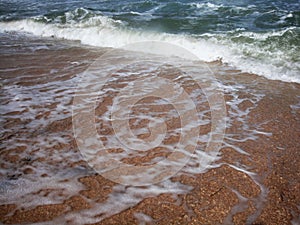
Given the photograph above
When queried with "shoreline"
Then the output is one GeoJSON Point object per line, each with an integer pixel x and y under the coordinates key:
{"type": "Point", "coordinates": [258, 186]}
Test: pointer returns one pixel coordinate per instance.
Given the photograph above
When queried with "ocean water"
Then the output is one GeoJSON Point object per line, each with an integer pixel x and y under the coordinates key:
{"type": "Point", "coordinates": [261, 37]}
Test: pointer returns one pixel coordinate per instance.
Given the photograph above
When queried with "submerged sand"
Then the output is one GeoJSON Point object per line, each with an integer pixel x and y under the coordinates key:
{"type": "Point", "coordinates": [256, 180]}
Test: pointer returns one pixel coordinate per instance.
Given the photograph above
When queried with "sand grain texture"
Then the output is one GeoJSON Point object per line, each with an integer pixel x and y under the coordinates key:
{"type": "Point", "coordinates": [267, 193]}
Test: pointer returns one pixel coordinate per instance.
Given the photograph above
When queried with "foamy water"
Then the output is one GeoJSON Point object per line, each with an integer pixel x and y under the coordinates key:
{"type": "Point", "coordinates": [36, 123]}
{"type": "Point", "coordinates": [245, 50]}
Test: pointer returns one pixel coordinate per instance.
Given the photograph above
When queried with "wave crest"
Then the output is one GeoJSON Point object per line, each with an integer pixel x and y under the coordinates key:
{"type": "Point", "coordinates": [270, 54]}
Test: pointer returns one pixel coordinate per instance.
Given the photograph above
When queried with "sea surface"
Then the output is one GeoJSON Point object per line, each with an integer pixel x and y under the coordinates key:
{"type": "Point", "coordinates": [261, 37]}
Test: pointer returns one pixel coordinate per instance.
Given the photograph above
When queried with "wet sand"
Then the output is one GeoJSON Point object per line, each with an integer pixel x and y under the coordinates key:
{"type": "Point", "coordinates": [259, 186]}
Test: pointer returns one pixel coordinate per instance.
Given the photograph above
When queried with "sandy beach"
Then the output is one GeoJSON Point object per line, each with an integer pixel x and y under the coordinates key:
{"type": "Point", "coordinates": [44, 178]}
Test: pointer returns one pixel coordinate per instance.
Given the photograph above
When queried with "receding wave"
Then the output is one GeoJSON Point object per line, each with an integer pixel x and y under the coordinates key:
{"type": "Point", "coordinates": [273, 54]}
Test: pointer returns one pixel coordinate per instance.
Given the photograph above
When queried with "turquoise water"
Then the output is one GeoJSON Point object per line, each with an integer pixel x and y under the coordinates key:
{"type": "Point", "coordinates": [261, 37]}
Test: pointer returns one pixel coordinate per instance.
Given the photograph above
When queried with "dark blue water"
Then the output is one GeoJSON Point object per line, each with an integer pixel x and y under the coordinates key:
{"type": "Point", "coordinates": [256, 36]}
{"type": "Point", "coordinates": [171, 16]}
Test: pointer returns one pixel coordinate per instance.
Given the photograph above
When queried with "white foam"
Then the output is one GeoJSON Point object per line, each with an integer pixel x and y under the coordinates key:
{"type": "Point", "coordinates": [296, 107]}
{"type": "Point", "coordinates": [106, 32]}
{"type": "Point", "coordinates": [207, 5]}
{"type": "Point", "coordinates": [143, 219]}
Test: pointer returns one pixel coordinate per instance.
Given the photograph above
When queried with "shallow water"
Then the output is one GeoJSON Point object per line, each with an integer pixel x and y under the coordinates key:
{"type": "Point", "coordinates": [42, 164]}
